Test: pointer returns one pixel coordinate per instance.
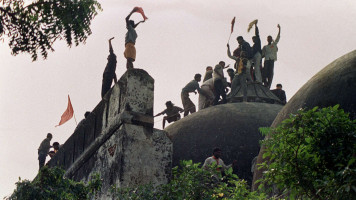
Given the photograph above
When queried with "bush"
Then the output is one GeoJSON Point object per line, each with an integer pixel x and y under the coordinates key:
{"type": "Point", "coordinates": [51, 184]}
{"type": "Point", "coordinates": [192, 182]}
{"type": "Point", "coordinates": [312, 155]}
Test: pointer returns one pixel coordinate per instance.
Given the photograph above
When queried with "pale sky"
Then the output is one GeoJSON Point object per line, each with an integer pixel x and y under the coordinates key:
{"type": "Point", "coordinates": [179, 39]}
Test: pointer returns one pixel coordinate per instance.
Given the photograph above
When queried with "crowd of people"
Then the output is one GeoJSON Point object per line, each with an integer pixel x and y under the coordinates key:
{"type": "Point", "coordinates": [248, 68]}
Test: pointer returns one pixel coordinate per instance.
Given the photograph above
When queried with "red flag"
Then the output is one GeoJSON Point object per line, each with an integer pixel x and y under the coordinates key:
{"type": "Point", "coordinates": [140, 10]}
{"type": "Point", "coordinates": [232, 25]}
{"type": "Point", "coordinates": [68, 114]}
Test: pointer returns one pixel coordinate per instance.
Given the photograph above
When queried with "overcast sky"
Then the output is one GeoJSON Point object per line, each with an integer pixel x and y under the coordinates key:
{"type": "Point", "coordinates": [179, 39]}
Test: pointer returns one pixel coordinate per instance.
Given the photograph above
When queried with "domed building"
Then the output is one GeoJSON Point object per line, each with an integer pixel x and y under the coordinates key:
{"type": "Point", "coordinates": [233, 127]}
{"type": "Point", "coordinates": [335, 84]}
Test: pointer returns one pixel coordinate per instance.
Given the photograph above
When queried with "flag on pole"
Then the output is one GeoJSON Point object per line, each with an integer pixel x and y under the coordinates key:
{"type": "Point", "coordinates": [140, 10]}
{"type": "Point", "coordinates": [251, 25]}
{"type": "Point", "coordinates": [232, 25]}
{"type": "Point", "coordinates": [68, 114]}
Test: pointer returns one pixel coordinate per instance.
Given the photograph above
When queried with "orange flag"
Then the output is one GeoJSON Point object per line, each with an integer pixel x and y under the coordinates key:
{"type": "Point", "coordinates": [232, 25]}
{"type": "Point", "coordinates": [140, 10]}
{"type": "Point", "coordinates": [68, 114]}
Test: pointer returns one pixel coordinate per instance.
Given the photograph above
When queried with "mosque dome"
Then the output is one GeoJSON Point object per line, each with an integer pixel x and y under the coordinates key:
{"type": "Point", "coordinates": [335, 84]}
{"type": "Point", "coordinates": [233, 127]}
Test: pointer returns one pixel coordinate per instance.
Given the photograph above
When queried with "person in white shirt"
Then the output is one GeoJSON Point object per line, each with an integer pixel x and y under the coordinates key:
{"type": "Point", "coordinates": [219, 162]}
{"type": "Point", "coordinates": [269, 52]}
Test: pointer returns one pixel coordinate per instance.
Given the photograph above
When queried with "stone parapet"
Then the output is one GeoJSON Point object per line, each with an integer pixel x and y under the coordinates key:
{"type": "Point", "coordinates": [117, 139]}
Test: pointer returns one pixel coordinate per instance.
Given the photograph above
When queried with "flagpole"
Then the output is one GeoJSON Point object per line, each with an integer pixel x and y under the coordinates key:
{"type": "Point", "coordinates": [229, 38]}
{"type": "Point", "coordinates": [75, 118]}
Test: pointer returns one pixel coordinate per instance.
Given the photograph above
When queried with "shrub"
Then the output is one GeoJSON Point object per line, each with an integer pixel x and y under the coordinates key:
{"type": "Point", "coordinates": [312, 155]}
{"type": "Point", "coordinates": [192, 182]}
{"type": "Point", "coordinates": [51, 184]}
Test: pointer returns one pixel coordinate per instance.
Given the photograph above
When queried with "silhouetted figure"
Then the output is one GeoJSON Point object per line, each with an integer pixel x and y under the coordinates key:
{"type": "Point", "coordinates": [269, 52]}
{"type": "Point", "coordinates": [281, 94]}
{"type": "Point", "coordinates": [191, 87]}
{"type": "Point", "coordinates": [231, 74]}
{"type": "Point", "coordinates": [44, 149]}
{"type": "Point", "coordinates": [219, 86]}
{"type": "Point", "coordinates": [257, 55]}
{"type": "Point", "coordinates": [83, 121]}
{"type": "Point", "coordinates": [130, 40]}
{"type": "Point", "coordinates": [56, 147]}
{"type": "Point", "coordinates": [208, 73]}
{"type": "Point", "coordinates": [172, 113]}
{"type": "Point", "coordinates": [109, 73]}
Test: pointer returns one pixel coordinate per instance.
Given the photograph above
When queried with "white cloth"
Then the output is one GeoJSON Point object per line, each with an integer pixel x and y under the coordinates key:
{"type": "Point", "coordinates": [270, 51]}
{"type": "Point", "coordinates": [257, 62]}
{"type": "Point", "coordinates": [218, 72]}
{"type": "Point", "coordinates": [208, 87]}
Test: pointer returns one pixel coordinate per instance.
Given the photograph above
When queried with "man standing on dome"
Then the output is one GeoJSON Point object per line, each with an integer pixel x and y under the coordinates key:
{"type": "Point", "coordinates": [130, 39]}
{"type": "Point", "coordinates": [218, 78]}
{"type": "Point", "coordinates": [256, 54]}
{"type": "Point", "coordinates": [191, 87]}
{"type": "Point", "coordinates": [269, 52]}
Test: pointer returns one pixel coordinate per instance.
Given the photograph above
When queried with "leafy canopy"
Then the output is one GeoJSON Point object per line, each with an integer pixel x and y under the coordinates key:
{"type": "Point", "coordinates": [312, 155]}
{"type": "Point", "coordinates": [51, 184]}
{"type": "Point", "coordinates": [36, 26]}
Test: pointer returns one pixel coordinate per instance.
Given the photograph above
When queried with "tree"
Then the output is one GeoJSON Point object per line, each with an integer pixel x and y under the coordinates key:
{"type": "Point", "coordinates": [51, 184]}
{"type": "Point", "coordinates": [36, 26]}
{"type": "Point", "coordinates": [312, 155]}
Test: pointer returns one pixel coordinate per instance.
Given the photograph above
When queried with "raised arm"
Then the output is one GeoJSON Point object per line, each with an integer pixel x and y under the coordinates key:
{"type": "Point", "coordinates": [110, 46]}
{"type": "Point", "coordinates": [229, 53]}
{"type": "Point", "coordinates": [128, 16]}
{"type": "Point", "coordinates": [161, 113]}
{"type": "Point", "coordinates": [279, 34]}
{"type": "Point", "coordinates": [257, 33]}
{"type": "Point", "coordinates": [139, 23]}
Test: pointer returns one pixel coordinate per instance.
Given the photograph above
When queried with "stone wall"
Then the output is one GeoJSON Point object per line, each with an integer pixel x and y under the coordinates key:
{"type": "Point", "coordinates": [117, 139]}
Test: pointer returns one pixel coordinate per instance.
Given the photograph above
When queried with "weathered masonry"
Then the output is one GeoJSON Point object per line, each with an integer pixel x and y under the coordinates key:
{"type": "Point", "coordinates": [118, 140]}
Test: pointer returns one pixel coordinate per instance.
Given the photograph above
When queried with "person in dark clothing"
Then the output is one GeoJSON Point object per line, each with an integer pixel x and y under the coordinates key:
{"type": "Point", "coordinates": [172, 113]}
{"type": "Point", "coordinates": [231, 74]}
{"type": "Point", "coordinates": [83, 121]}
{"type": "Point", "coordinates": [244, 46]}
{"type": "Point", "coordinates": [281, 94]}
{"type": "Point", "coordinates": [257, 55]}
{"type": "Point", "coordinates": [219, 87]}
{"type": "Point", "coordinates": [109, 73]}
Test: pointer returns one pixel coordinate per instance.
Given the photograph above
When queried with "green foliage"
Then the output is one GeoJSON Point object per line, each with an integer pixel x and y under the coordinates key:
{"type": "Point", "coordinates": [192, 182]}
{"type": "Point", "coordinates": [312, 155]}
{"type": "Point", "coordinates": [35, 27]}
{"type": "Point", "coordinates": [51, 184]}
